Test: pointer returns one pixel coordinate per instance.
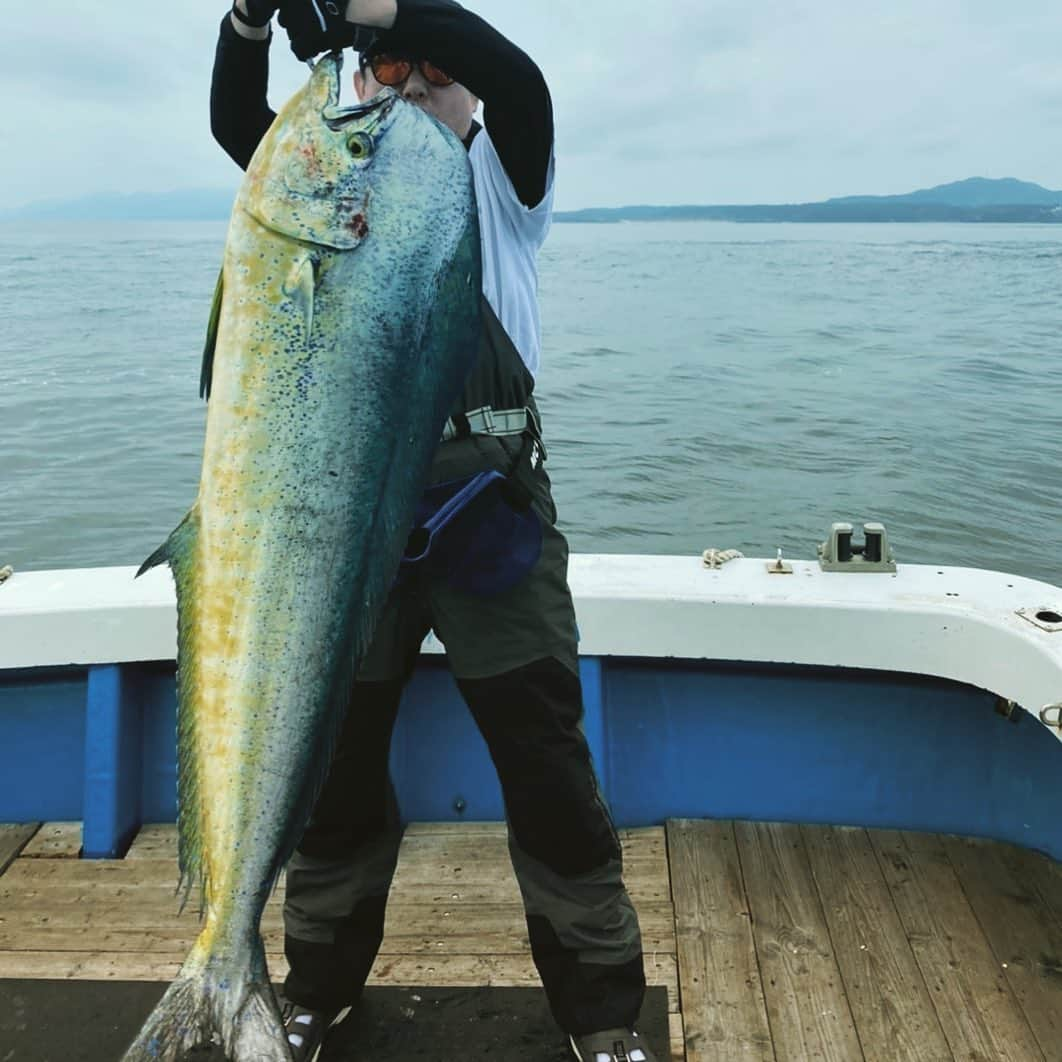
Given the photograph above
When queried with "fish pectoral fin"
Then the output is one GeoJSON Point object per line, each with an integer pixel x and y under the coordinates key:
{"type": "Point", "coordinates": [177, 549]}
{"type": "Point", "coordinates": [206, 373]}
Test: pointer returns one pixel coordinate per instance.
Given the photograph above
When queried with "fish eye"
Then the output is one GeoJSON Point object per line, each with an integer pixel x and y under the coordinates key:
{"type": "Point", "coordinates": [359, 145]}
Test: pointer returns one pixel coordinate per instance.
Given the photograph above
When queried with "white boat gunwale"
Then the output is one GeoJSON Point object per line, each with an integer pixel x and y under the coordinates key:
{"type": "Point", "coordinates": [965, 625]}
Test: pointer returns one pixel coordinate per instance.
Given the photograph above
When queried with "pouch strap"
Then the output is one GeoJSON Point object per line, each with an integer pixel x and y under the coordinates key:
{"type": "Point", "coordinates": [423, 537]}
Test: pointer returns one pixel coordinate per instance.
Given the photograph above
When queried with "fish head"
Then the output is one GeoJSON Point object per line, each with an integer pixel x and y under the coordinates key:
{"type": "Point", "coordinates": [312, 175]}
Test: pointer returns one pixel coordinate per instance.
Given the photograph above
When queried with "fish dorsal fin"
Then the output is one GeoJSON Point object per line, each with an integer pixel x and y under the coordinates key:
{"type": "Point", "coordinates": [207, 371]}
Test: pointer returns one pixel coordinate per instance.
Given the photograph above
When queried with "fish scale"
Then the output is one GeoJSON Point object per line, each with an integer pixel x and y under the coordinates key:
{"type": "Point", "coordinates": [345, 322]}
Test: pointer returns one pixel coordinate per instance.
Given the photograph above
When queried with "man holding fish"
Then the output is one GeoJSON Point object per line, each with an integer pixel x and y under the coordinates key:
{"type": "Point", "coordinates": [486, 568]}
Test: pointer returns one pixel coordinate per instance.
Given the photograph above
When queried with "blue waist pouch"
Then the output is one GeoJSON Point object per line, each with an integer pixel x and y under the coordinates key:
{"type": "Point", "coordinates": [469, 534]}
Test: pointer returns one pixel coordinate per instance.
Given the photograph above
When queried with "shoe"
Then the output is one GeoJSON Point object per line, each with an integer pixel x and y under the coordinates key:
{"type": "Point", "coordinates": [307, 1029]}
{"type": "Point", "coordinates": [612, 1045]}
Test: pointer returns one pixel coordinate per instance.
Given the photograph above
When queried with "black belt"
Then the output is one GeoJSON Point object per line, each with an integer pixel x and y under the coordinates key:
{"type": "Point", "coordinates": [489, 421]}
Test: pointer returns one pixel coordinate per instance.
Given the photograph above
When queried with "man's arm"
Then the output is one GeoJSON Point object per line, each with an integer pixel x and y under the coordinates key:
{"type": "Point", "coordinates": [518, 111]}
{"type": "Point", "coordinates": [239, 113]}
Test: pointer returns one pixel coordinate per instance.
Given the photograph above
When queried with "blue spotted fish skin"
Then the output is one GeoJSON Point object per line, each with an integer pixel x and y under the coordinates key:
{"type": "Point", "coordinates": [347, 323]}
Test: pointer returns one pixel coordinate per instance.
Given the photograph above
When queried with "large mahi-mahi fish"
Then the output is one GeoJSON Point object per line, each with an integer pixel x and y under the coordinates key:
{"type": "Point", "coordinates": [346, 320]}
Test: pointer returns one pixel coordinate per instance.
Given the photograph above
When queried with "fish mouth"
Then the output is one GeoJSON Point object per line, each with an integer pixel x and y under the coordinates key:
{"type": "Point", "coordinates": [336, 117]}
{"type": "Point", "coordinates": [382, 104]}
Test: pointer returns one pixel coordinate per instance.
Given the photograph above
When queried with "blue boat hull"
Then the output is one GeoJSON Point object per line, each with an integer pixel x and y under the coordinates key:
{"type": "Point", "coordinates": [670, 739]}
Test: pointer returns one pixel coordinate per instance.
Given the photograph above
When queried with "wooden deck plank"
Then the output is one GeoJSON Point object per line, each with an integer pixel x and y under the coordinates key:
{"type": "Point", "coordinates": [115, 966]}
{"type": "Point", "coordinates": [55, 840]}
{"type": "Point", "coordinates": [1040, 873]}
{"type": "Point", "coordinates": [13, 838]}
{"type": "Point", "coordinates": [436, 865]}
{"type": "Point", "coordinates": [457, 970]}
{"type": "Point", "coordinates": [722, 1003]}
{"type": "Point", "coordinates": [677, 1030]}
{"type": "Point", "coordinates": [158, 840]}
{"type": "Point", "coordinates": [1026, 941]}
{"type": "Point", "coordinates": [978, 1012]}
{"type": "Point", "coordinates": [135, 896]}
{"type": "Point", "coordinates": [141, 905]}
{"type": "Point", "coordinates": [23, 894]}
{"type": "Point", "coordinates": [25, 890]}
{"type": "Point", "coordinates": [410, 928]}
{"type": "Point", "coordinates": [460, 859]}
{"type": "Point", "coordinates": [883, 981]}
{"type": "Point", "coordinates": [164, 872]}
{"type": "Point", "coordinates": [445, 864]}
{"type": "Point", "coordinates": [174, 939]}
{"type": "Point", "coordinates": [806, 1003]}
{"type": "Point", "coordinates": [154, 840]}
{"type": "Point", "coordinates": [31, 871]}
{"type": "Point", "coordinates": [496, 930]}
{"type": "Point", "coordinates": [496, 829]}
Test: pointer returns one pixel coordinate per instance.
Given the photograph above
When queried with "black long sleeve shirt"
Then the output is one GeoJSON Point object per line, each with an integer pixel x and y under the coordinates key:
{"type": "Point", "coordinates": [518, 111]}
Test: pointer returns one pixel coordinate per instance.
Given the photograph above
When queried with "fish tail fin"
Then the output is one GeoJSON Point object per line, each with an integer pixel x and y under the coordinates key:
{"type": "Point", "coordinates": [215, 1002]}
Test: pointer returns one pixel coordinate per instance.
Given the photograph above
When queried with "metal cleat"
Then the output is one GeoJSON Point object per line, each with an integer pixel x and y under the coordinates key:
{"type": "Point", "coordinates": [840, 554]}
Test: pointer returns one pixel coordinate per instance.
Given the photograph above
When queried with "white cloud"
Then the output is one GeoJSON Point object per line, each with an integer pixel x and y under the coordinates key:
{"type": "Point", "coordinates": [679, 101]}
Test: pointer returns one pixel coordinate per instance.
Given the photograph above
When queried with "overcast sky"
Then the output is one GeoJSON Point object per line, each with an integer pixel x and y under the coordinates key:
{"type": "Point", "coordinates": [669, 101]}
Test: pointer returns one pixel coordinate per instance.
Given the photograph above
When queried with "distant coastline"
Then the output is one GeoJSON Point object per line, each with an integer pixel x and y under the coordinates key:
{"type": "Point", "coordinates": [820, 212]}
{"type": "Point", "coordinates": [976, 199]}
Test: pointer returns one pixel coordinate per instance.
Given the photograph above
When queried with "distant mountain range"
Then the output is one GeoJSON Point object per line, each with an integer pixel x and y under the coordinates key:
{"type": "Point", "coordinates": [975, 199]}
{"type": "Point", "coordinates": [973, 192]}
{"type": "Point", "coordinates": [186, 204]}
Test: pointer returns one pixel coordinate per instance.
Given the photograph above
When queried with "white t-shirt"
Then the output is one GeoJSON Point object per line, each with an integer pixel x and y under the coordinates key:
{"type": "Point", "coordinates": [511, 235]}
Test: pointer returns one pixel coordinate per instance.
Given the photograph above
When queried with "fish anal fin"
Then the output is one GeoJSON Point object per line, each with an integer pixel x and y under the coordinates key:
{"type": "Point", "coordinates": [179, 551]}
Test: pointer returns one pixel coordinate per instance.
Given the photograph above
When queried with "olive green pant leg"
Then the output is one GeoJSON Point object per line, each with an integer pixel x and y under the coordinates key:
{"type": "Point", "coordinates": [583, 928]}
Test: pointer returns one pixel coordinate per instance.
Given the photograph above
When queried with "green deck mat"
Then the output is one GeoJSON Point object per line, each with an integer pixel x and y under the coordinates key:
{"type": "Point", "coordinates": [94, 1021]}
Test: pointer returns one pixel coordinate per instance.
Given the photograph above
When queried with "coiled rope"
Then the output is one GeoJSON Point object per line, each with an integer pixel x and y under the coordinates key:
{"type": "Point", "coordinates": [716, 558]}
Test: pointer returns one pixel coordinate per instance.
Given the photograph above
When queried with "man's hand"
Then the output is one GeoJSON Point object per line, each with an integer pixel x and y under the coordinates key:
{"type": "Point", "coordinates": [315, 26]}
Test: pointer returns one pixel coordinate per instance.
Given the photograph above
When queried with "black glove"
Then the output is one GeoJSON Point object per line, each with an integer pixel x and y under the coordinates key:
{"type": "Point", "coordinates": [315, 26]}
{"type": "Point", "coordinates": [259, 12]}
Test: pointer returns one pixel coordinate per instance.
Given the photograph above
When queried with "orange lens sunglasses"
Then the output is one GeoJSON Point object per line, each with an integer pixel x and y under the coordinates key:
{"type": "Point", "coordinates": [392, 70]}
